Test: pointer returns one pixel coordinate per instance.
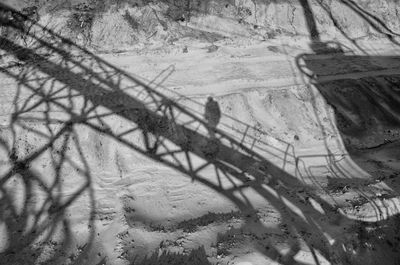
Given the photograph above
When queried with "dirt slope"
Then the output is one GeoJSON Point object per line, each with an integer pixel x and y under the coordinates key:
{"type": "Point", "coordinates": [123, 25]}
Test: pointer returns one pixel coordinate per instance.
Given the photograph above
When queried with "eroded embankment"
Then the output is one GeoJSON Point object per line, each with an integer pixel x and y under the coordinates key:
{"type": "Point", "coordinates": [133, 24]}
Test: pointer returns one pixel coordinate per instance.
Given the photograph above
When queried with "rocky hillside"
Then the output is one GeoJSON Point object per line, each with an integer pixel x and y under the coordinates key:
{"type": "Point", "coordinates": [113, 25]}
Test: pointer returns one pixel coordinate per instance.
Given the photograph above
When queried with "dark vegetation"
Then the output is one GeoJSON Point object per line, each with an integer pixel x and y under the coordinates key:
{"type": "Point", "coordinates": [191, 225]}
{"type": "Point", "coordinates": [195, 257]}
{"type": "Point", "coordinates": [81, 21]}
{"type": "Point", "coordinates": [131, 20]}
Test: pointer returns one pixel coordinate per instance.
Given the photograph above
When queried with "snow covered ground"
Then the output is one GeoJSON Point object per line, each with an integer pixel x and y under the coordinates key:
{"type": "Point", "coordinates": [303, 167]}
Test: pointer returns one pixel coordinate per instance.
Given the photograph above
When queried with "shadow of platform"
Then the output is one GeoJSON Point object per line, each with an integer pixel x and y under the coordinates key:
{"type": "Point", "coordinates": [364, 92]}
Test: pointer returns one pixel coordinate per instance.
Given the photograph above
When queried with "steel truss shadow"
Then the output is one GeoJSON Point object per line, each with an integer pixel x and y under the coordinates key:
{"type": "Point", "coordinates": [57, 76]}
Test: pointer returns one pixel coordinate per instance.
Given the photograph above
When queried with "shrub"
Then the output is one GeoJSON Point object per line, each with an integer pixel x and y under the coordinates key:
{"type": "Point", "coordinates": [195, 257]}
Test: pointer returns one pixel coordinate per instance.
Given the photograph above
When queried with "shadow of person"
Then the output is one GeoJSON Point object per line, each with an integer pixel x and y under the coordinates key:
{"type": "Point", "coordinates": [212, 114]}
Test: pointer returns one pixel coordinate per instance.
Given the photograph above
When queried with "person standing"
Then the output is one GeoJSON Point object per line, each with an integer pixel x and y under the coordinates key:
{"type": "Point", "coordinates": [212, 114]}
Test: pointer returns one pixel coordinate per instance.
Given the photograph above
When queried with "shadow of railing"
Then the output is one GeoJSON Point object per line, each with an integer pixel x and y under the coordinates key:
{"type": "Point", "coordinates": [60, 83]}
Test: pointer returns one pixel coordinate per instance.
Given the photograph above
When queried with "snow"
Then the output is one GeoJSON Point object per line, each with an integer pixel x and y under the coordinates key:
{"type": "Point", "coordinates": [89, 191]}
{"type": "Point", "coordinates": [134, 193]}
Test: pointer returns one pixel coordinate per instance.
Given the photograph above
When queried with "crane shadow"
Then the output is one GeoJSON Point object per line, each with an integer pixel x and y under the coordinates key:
{"type": "Point", "coordinates": [65, 88]}
{"type": "Point", "coordinates": [363, 92]}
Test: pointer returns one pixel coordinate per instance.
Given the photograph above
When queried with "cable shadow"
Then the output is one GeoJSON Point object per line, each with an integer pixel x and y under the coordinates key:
{"type": "Point", "coordinates": [375, 22]}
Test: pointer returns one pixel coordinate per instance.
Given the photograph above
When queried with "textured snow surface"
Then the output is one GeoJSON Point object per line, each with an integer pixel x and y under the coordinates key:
{"type": "Point", "coordinates": [304, 167]}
